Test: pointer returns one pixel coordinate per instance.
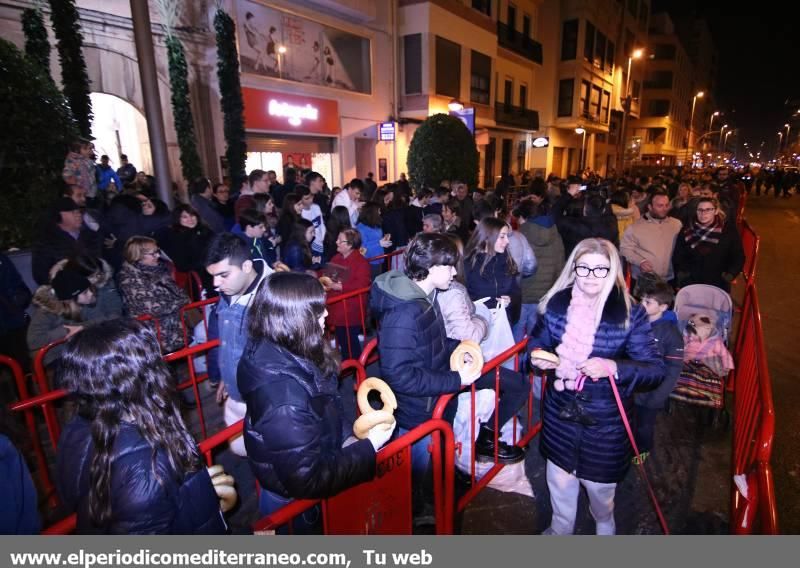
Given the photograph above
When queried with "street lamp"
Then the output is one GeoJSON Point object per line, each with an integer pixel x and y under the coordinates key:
{"type": "Point", "coordinates": [699, 95]}
{"type": "Point", "coordinates": [721, 132]}
{"type": "Point", "coordinates": [635, 54]}
{"type": "Point", "coordinates": [711, 122]}
{"type": "Point", "coordinates": [725, 143]}
{"type": "Point", "coordinates": [581, 130]}
{"type": "Point", "coordinates": [455, 105]}
{"type": "Point", "coordinates": [281, 52]}
{"type": "Point", "coordinates": [787, 127]}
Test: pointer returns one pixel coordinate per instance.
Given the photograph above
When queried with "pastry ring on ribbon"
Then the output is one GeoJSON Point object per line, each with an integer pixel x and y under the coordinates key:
{"type": "Point", "coordinates": [387, 396]}
{"type": "Point", "coordinates": [280, 267]}
{"type": "Point", "coordinates": [367, 421]}
{"type": "Point", "coordinates": [457, 362]}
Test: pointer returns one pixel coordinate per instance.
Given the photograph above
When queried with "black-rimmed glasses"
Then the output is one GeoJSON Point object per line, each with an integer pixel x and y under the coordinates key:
{"type": "Point", "coordinates": [598, 271]}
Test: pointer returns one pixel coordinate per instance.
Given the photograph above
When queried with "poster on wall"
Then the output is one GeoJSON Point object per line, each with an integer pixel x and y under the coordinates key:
{"type": "Point", "coordinates": [383, 169]}
{"type": "Point", "coordinates": [274, 43]}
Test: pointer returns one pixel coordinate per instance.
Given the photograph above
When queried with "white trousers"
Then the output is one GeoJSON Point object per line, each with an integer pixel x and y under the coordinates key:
{"type": "Point", "coordinates": [235, 411]}
{"type": "Point", "coordinates": [564, 488]}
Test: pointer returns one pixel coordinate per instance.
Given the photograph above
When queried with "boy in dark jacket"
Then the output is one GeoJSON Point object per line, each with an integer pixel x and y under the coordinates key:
{"type": "Point", "coordinates": [656, 297]}
{"type": "Point", "coordinates": [414, 348]}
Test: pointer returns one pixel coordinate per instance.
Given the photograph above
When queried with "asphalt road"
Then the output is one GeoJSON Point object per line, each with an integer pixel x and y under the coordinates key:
{"type": "Point", "coordinates": [777, 221]}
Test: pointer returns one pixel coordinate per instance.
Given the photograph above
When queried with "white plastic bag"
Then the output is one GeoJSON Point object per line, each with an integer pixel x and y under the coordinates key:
{"type": "Point", "coordinates": [199, 336]}
{"type": "Point", "coordinates": [500, 336]}
{"type": "Point", "coordinates": [512, 478]}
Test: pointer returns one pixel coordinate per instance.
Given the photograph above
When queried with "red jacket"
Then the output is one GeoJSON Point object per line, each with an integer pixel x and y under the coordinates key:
{"type": "Point", "coordinates": [352, 311]}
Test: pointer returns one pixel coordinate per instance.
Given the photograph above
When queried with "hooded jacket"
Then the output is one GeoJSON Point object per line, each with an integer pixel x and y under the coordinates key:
{"type": "Point", "coordinates": [548, 247]}
{"type": "Point", "coordinates": [413, 347]}
{"type": "Point", "coordinates": [600, 452]}
{"type": "Point", "coordinates": [670, 344]}
{"type": "Point", "coordinates": [141, 503]}
{"type": "Point", "coordinates": [294, 427]}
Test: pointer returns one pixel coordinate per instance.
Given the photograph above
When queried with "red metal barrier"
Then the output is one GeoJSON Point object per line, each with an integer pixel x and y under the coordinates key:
{"type": "Point", "coordinates": [43, 385]}
{"type": "Point", "coordinates": [389, 258]}
{"type": "Point", "coordinates": [753, 427]}
{"type": "Point", "coordinates": [531, 431]}
{"type": "Point", "coordinates": [383, 505]}
{"type": "Point", "coordinates": [190, 282]}
{"type": "Point", "coordinates": [194, 379]}
{"type": "Point", "coordinates": [750, 244]}
{"type": "Point", "coordinates": [340, 302]}
{"type": "Point", "coordinates": [201, 305]}
{"type": "Point", "coordinates": [148, 318]}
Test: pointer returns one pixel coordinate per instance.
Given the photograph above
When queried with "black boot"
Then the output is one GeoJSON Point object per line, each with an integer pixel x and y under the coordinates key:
{"type": "Point", "coordinates": [484, 449]}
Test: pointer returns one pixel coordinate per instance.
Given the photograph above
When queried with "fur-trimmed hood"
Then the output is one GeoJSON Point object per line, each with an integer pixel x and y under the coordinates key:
{"type": "Point", "coordinates": [45, 298]}
{"type": "Point", "coordinates": [99, 280]}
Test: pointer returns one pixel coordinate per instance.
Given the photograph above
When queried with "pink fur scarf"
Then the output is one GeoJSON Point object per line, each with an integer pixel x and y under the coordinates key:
{"type": "Point", "coordinates": [578, 339]}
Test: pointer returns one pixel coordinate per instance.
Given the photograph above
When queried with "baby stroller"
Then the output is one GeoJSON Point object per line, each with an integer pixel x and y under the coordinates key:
{"type": "Point", "coordinates": [705, 315]}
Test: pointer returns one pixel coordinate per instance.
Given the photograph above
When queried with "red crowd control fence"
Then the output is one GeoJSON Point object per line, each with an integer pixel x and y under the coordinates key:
{"type": "Point", "coordinates": [750, 244]}
{"type": "Point", "coordinates": [753, 505]}
{"type": "Point", "coordinates": [391, 259]}
{"type": "Point", "coordinates": [340, 308]}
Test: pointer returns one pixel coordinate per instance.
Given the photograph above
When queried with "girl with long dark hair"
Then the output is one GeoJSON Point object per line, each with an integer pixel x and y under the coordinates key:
{"type": "Point", "coordinates": [127, 463]}
{"type": "Point", "coordinates": [290, 213]}
{"type": "Point", "coordinates": [338, 221]}
{"type": "Point", "coordinates": [489, 268]}
{"type": "Point", "coordinates": [288, 376]}
{"type": "Point", "coordinates": [296, 254]}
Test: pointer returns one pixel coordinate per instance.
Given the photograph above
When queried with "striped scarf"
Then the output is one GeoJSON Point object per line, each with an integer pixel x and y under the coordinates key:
{"type": "Point", "coordinates": [697, 233]}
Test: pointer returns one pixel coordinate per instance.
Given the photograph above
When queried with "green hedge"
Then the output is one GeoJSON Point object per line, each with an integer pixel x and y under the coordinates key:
{"type": "Point", "coordinates": [442, 149]}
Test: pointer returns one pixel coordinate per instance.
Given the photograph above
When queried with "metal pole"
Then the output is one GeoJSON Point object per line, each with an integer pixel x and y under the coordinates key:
{"type": "Point", "coordinates": [143, 37]}
{"type": "Point", "coordinates": [691, 131]}
{"type": "Point", "coordinates": [627, 111]}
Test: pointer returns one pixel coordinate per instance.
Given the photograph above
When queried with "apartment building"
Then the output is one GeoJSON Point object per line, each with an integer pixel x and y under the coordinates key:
{"type": "Point", "coordinates": [588, 49]}
{"type": "Point", "coordinates": [667, 95]}
{"type": "Point", "coordinates": [483, 55]}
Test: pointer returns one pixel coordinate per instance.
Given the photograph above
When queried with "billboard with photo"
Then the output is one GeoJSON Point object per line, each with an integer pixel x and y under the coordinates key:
{"type": "Point", "coordinates": [278, 44]}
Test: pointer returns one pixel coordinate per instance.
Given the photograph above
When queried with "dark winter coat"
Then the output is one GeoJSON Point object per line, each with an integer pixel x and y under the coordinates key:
{"type": "Point", "coordinates": [600, 452]}
{"type": "Point", "coordinates": [574, 229]}
{"type": "Point", "coordinates": [294, 427]}
{"type": "Point", "coordinates": [14, 297]}
{"type": "Point", "coordinates": [140, 502]}
{"type": "Point", "coordinates": [413, 347]}
{"type": "Point", "coordinates": [55, 245]}
{"type": "Point", "coordinates": [670, 344]}
{"type": "Point", "coordinates": [706, 263]}
{"type": "Point", "coordinates": [187, 247]}
{"type": "Point", "coordinates": [493, 281]}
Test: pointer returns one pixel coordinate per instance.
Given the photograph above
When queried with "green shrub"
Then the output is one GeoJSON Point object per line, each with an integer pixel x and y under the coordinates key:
{"type": "Point", "coordinates": [37, 126]}
{"type": "Point", "coordinates": [442, 149]}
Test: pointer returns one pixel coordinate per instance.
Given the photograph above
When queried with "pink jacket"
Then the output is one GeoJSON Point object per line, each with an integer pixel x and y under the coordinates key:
{"type": "Point", "coordinates": [711, 352]}
{"type": "Point", "coordinates": [459, 315]}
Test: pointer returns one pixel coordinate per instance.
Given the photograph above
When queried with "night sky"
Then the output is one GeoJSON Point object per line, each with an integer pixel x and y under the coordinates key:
{"type": "Point", "coordinates": [759, 62]}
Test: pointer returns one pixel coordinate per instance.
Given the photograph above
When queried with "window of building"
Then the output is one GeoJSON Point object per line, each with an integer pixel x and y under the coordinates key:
{"type": "Point", "coordinates": [644, 13]}
{"type": "Point", "coordinates": [448, 68]}
{"type": "Point", "coordinates": [594, 103]}
{"type": "Point", "coordinates": [588, 42]}
{"type": "Point", "coordinates": [636, 90]}
{"type": "Point", "coordinates": [569, 40]}
{"type": "Point", "coordinates": [512, 16]}
{"type": "Point", "coordinates": [565, 95]}
{"type": "Point", "coordinates": [606, 106]}
{"type": "Point", "coordinates": [526, 25]}
{"type": "Point", "coordinates": [658, 107]}
{"type": "Point", "coordinates": [480, 78]}
{"type": "Point", "coordinates": [412, 63]}
{"type": "Point", "coordinates": [523, 96]}
{"type": "Point", "coordinates": [508, 92]}
{"type": "Point", "coordinates": [610, 56]}
{"type": "Point", "coordinates": [585, 88]}
{"type": "Point", "coordinates": [600, 50]}
{"type": "Point", "coordinates": [665, 51]}
{"type": "Point", "coordinates": [658, 80]}
{"type": "Point", "coordinates": [627, 48]}
{"type": "Point", "coordinates": [483, 6]}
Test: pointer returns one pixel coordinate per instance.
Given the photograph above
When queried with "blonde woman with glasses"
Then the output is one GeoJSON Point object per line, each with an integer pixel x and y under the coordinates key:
{"type": "Point", "coordinates": [588, 321]}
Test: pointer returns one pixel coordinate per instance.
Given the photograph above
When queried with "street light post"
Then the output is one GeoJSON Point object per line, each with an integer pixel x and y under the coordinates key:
{"type": "Point", "coordinates": [281, 52]}
{"type": "Point", "coordinates": [787, 127]}
{"type": "Point", "coordinates": [711, 122]}
{"type": "Point", "coordinates": [581, 130]}
{"type": "Point", "coordinates": [699, 95]}
{"type": "Point", "coordinates": [721, 133]}
{"type": "Point", "coordinates": [636, 54]}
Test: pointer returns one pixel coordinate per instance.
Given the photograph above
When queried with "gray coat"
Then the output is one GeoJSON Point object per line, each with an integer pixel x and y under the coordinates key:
{"type": "Point", "coordinates": [548, 247]}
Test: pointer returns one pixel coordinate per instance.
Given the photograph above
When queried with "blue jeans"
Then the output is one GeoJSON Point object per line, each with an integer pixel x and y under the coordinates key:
{"type": "Point", "coordinates": [307, 522]}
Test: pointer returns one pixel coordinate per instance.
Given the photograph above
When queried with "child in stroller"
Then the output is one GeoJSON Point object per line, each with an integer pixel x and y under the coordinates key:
{"type": "Point", "coordinates": [705, 313]}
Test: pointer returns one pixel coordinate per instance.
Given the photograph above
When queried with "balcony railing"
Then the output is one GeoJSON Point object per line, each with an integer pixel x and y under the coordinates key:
{"type": "Point", "coordinates": [590, 117]}
{"type": "Point", "coordinates": [516, 116]}
{"type": "Point", "coordinates": [511, 39]}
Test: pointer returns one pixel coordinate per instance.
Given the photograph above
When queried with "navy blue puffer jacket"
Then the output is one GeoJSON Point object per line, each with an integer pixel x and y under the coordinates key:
{"type": "Point", "coordinates": [494, 281]}
{"type": "Point", "coordinates": [413, 346]}
{"type": "Point", "coordinates": [140, 503]}
{"type": "Point", "coordinates": [294, 427]}
{"type": "Point", "coordinates": [600, 452]}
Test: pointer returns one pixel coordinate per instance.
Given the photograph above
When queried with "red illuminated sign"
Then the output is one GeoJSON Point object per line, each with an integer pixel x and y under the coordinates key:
{"type": "Point", "coordinates": [282, 112]}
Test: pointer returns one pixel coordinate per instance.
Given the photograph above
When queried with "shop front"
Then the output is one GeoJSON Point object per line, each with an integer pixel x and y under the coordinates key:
{"type": "Point", "coordinates": [286, 130]}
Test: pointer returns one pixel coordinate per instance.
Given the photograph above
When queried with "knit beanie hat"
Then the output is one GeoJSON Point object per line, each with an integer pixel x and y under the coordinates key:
{"type": "Point", "coordinates": [69, 284]}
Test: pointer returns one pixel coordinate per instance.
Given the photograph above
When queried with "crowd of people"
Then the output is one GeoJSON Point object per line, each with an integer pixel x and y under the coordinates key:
{"type": "Point", "coordinates": [550, 256]}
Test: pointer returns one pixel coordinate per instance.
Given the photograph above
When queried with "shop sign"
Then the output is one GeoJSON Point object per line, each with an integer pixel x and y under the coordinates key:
{"type": "Point", "coordinates": [541, 142]}
{"type": "Point", "coordinates": [283, 112]}
{"type": "Point", "coordinates": [386, 131]}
